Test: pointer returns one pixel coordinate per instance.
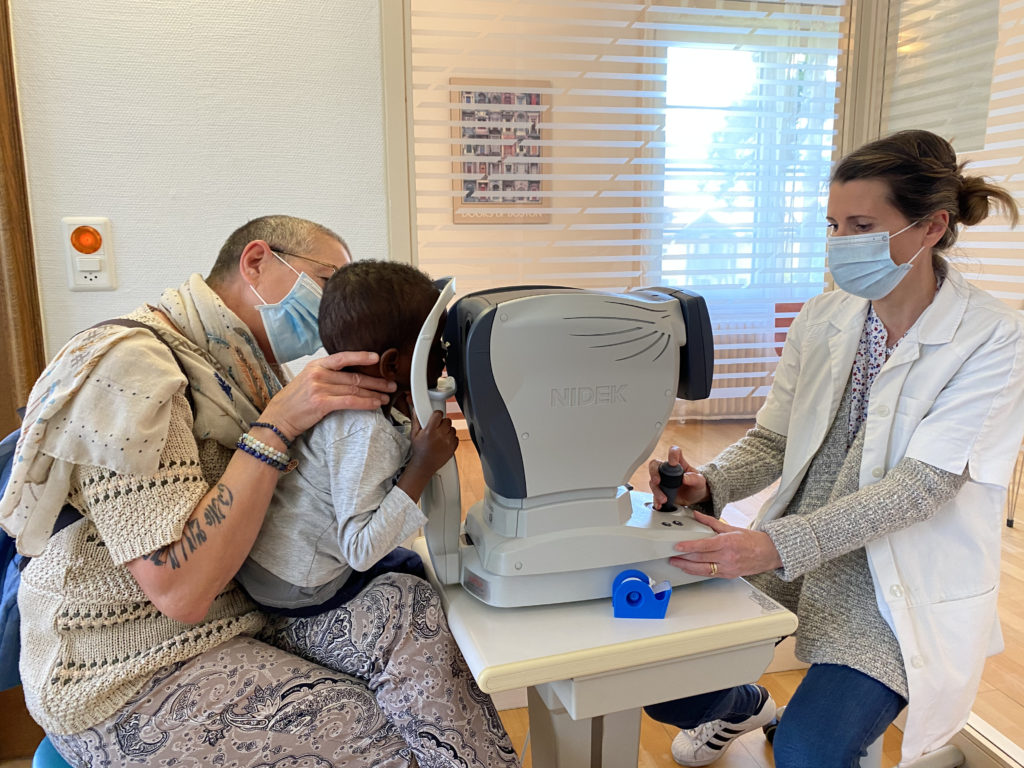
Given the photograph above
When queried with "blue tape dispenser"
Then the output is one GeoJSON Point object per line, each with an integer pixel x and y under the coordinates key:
{"type": "Point", "coordinates": [634, 596]}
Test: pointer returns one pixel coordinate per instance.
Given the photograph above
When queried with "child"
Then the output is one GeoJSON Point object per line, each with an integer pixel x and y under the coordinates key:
{"type": "Point", "coordinates": [335, 520]}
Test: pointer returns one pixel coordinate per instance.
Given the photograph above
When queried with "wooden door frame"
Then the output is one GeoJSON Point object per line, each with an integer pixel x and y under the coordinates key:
{"type": "Point", "coordinates": [22, 354]}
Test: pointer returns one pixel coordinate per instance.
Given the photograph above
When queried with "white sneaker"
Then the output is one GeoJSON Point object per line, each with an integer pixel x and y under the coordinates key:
{"type": "Point", "coordinates": [707, 742]}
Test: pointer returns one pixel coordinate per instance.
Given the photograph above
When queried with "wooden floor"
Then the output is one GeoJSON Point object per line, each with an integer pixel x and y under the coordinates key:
{"type": "Point", "coordinates": [1000, 700]}
{"type": "Point", "coordinates": [749, 751]}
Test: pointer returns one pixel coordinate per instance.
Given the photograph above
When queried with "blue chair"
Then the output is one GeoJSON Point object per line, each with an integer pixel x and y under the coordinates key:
{"type": "Point", "coordinates": [47, 757]}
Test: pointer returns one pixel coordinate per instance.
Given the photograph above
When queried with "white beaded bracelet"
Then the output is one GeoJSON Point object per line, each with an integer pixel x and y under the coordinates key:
{"type": "Point", "coordinates": [279, 456]}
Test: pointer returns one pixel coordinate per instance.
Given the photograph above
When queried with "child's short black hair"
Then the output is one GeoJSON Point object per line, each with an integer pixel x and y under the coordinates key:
{"type": "Point", "coordinates": [373, 306]}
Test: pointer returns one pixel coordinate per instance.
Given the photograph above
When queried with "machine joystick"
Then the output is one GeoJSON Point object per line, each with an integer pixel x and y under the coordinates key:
{"type": "Point", "coordinates": [671, 478]}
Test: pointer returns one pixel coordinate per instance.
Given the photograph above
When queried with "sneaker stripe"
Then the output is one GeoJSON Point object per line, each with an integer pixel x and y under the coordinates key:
{"type": "Point", "coordinates": [722, 739]}
{"type": "Point", "coordinates": [707, 742]}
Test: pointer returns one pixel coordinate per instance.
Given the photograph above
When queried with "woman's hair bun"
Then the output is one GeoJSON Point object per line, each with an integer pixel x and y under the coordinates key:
{"type": "Point", "coordinates": [972, 200]}
{"type": "Point", "coordinates": [977, 198]}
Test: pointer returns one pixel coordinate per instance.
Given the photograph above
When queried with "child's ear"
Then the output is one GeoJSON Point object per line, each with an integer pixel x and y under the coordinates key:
{"type": "Point", "coordinates": [389, 364]}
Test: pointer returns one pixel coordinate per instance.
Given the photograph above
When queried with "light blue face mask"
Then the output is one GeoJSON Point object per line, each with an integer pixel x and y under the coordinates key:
{"type": "Point", "coordinates": [861, 264]}
{"type": "Point", "coordinates": [291, 324]}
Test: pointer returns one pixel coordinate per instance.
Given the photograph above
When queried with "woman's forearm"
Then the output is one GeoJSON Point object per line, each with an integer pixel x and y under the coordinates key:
{"type": "Point", "coordinates": [911, 492]}
{"type": "Point", "coordinates": [184, 577]}
{"type": "Point", "coordinates": [747, 466]}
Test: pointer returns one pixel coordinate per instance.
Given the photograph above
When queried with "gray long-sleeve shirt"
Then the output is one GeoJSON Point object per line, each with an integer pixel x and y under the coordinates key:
{"type": "Point", "coordinates": [338, 511]}
{"type": "Point", "coordinates": [825, 578]}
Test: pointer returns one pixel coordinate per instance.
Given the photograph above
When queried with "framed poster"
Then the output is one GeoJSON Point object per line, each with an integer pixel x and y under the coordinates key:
{"type": "Point", "coordinates": [499, 149]}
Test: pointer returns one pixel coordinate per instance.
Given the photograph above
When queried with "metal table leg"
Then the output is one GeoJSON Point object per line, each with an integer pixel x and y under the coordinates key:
{"type": "Point", "coordinates": [558, 741]}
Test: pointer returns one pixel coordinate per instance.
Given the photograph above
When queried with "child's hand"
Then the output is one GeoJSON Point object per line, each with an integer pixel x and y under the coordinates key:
{"type": "Point", "coordinates": [432, 446]}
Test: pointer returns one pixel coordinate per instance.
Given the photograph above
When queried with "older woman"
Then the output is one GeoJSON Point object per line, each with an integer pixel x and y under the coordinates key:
{"type": "Point", "coordinates": [168, 438]}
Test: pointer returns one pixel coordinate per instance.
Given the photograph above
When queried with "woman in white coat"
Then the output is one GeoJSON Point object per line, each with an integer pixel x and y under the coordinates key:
{"type": "Point", "coordinates": [893, 425]}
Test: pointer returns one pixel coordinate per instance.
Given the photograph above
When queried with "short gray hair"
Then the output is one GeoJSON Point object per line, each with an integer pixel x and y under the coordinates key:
{"type": "Point", "coordinates": [283, 233]}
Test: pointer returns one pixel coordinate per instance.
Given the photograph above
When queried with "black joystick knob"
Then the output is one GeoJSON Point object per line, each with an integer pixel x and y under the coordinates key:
{"type": "Point", "coordinates": [671, 478]}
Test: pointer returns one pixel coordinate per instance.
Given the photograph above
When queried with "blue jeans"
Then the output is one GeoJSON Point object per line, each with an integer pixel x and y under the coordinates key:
{"type": "Point", "coordinates": [834, 716]}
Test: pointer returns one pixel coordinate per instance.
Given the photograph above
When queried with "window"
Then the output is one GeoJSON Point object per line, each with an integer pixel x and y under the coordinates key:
{"type": "Point", "coordinates": [939, 61]}
{"type": "Point", "coordinates": [749, 148]}
{"type": "Point", "coordinates": [683, 146]}
{"type": "Point", "coordinates": [956, 67]}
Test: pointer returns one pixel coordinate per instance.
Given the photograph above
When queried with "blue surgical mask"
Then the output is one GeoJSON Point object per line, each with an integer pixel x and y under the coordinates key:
{"type": "Point", "coordinates": [861, 264]}
{"type": "Point", "coordinates": [291, 324]}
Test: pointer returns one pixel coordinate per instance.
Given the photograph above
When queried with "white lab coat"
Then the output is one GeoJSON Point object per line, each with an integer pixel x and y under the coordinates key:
{"type": "Point", "coordinates": [951, 395]}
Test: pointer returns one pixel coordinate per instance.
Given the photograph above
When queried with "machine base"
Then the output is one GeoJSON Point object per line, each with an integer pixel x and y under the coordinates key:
{"type": "Point", "coordinates": [567, 566]}
{"type": "Point", "coordinates": [565, 587]}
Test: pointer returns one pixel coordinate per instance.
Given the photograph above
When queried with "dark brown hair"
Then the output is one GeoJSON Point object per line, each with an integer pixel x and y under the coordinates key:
{"type": "Point", "coordinates": [923, 175]}
{"type": "Point", "coordinates": [374, 305]}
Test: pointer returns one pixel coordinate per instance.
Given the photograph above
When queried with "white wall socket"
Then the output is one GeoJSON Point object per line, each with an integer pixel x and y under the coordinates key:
{"type": "Point", "coordinates": [89, 271]}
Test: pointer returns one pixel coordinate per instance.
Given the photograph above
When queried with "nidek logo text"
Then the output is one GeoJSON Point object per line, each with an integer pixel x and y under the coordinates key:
{"type": "Point", "coordinates": [577, 397]}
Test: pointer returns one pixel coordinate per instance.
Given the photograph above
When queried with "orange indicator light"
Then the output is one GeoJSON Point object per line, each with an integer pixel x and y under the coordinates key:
{"type": "Point", "coordinates": [85, 239]}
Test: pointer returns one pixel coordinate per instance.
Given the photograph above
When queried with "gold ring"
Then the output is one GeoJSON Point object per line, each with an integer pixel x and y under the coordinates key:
{"type": "Point", "coordinates": [714, 568]}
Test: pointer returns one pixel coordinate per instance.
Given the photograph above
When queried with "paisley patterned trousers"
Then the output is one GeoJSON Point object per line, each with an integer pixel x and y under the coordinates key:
{"type": "Point", "coordinates": [374, 682]}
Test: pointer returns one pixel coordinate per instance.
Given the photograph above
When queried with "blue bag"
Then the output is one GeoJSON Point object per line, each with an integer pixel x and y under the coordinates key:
{"type": "Point", "coordinates": [11, 565]}
{"type": "Point", "coordinates": [10, 577]}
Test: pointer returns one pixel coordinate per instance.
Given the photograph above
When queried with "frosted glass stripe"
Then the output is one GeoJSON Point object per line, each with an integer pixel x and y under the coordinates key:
{"type": "Point", "coordinates": [813, 18]}
{"type": "Point", "coordinates": [978, 164]}
{"type": "Point", "coordinates": [968, 243]}
{"type": "Point", "coordinates": [1004, 144]}
{"type": "Point", "coordinates": [632, 258]}
{"type": "Point", "coordinates": [618, 24]}
{"type": "Point", "coordinates": [420, 13]}
{"type": "Point", "coordinates": [1002, 279]}
{"type": "Point", "coordinates": [563, 211]}
{"type": "Point", "coordinates": [725, 375]}
{"type": "Point", "coordinates": [1014, 261]}
{"type": "Point", "coordinates": [1007, 94]}
{"type": "Point", "coordinates": [677, 11]}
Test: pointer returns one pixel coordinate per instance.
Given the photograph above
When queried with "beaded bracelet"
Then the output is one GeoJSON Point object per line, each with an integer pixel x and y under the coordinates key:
{"type": "Point", "coordinates": [270, 456]}
{"type": "Point", "coordinates": [273, 428]}
{"type": "Point", "coordinates": [262, 447]}
{"type": "Point", "coordinates": [262, 457]}
{"type": "Point", "coordinates": [265, 449]}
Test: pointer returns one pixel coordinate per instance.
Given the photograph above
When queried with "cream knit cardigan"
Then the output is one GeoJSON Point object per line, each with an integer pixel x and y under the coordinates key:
{"type": "Point", "coordinates": [121, 445]}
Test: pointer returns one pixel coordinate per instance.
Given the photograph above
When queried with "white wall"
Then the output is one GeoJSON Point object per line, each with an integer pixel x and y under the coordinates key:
{"type": "Point", "coordinates": [182, 119]}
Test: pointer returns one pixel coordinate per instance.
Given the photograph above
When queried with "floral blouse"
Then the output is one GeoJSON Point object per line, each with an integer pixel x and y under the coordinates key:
{"type": "Point", "coordinates": [872, 353]}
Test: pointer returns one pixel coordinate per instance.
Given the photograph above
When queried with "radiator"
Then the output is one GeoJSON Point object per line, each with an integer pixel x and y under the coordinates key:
{"type": "Point", "coordinates": [745, 360]}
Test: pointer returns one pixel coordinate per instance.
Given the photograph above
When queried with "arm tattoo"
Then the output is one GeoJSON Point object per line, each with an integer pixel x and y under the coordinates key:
{"type": "Point", "coordinates": [216, 510]}
{"type": "Point", "coordinates": [194, 536]}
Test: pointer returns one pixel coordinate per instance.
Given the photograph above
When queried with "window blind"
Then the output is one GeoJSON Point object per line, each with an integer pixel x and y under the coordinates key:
{"type": "Point", "coordinates": [613, 145]}
{"type": "Point", "coordinates": [977, 103]}
{"type": "Point", "coordinates": [939, 68]}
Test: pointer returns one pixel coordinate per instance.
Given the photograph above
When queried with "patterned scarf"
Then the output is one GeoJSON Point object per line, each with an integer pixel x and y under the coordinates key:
{"type": "Point", "coordinates": [873, 352]}
{"type": "Point", "coordinates": [114, 411]}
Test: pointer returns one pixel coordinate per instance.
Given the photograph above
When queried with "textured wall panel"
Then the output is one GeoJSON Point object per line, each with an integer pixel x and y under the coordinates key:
{"type": "Point", "coordinates": [181, 120]}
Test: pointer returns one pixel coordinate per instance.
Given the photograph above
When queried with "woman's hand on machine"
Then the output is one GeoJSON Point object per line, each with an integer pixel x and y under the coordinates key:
{"type": "Point", "coordinates": [322, 387]}
{"type": "Point", "coordinates": [694, 488]}
{"type": "Point", "coordinates": [732, 552]}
